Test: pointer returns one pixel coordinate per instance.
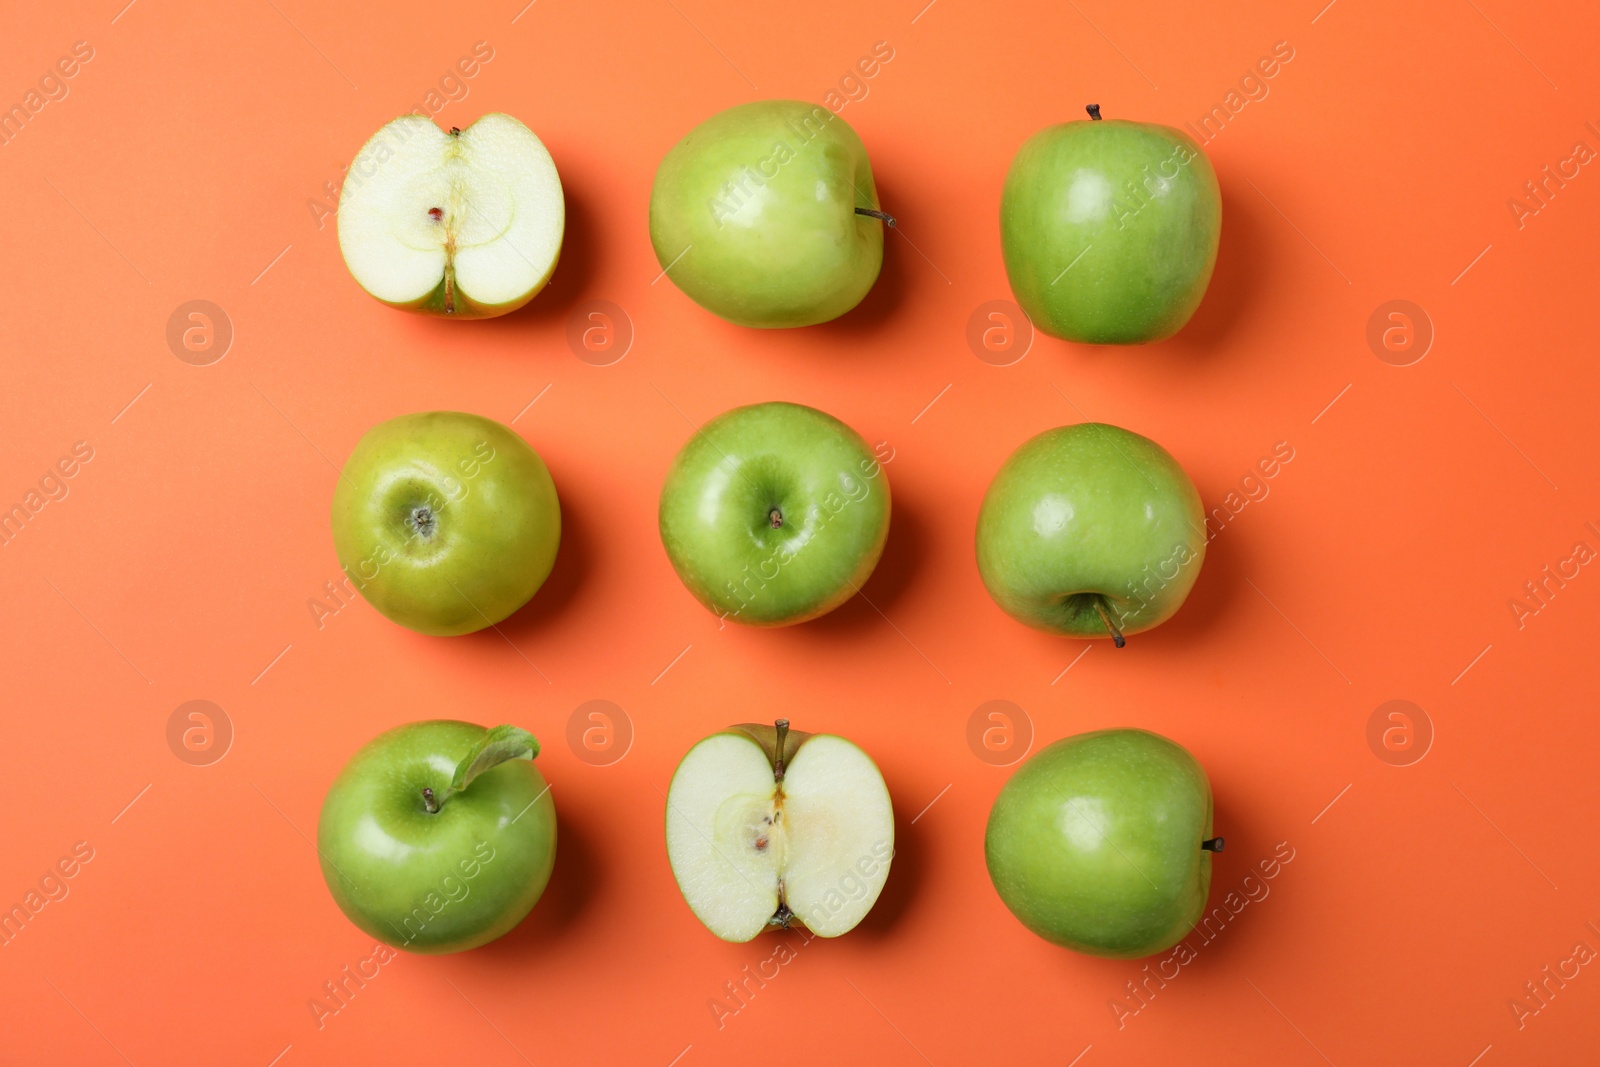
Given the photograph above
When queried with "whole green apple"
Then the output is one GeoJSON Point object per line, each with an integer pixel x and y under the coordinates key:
{"type": "Point", "coordinates": [1109, 229]}
{"type": "Point", "coordinates": [446, 522]}
{"type": "Point", "coordinates": [1102, 843]}
{"type": "Point", "coordinates": [766, 215]}
{"type": "Point", "coordinates": [1090, 531]}
{"type": "Point", "coordinates": [775, 513]}
{"type": "Point", "coordinates": [439, 836]}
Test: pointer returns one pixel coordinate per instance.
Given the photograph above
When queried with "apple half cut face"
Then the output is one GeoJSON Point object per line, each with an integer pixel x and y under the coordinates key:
{"type": "Point", "coordinates": [760, 841]}
{"type": "Point", "coordinates": [466, 223]}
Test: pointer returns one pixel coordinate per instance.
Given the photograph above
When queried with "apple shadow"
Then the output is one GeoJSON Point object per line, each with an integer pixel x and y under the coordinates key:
{"type": "Point", "coordinates": [877, 309]}
{"type": "Point", "coordinates": [575, 270]}
{"type": "Point", "coordinates": [574, 884]}
{"type": "Point", "coordinates": [1236, 279]}
{"type": "Point", "coordinates": [1241, 853]}
{"type": "Point", "coordinates": [904, 549]}
{"type": "Point", "coordinates": [574, 562]}
{"type": "Point", "coordinates": [906, 873]}
{"type": "Point", "coordinates": [1221, 579]}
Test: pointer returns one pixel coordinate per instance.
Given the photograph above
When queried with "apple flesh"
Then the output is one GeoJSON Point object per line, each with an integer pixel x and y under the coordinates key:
{"type": "Point", "coordinates": [766, 214]}
{"type": "Point", "coordinates": [439, 836]}
{"type": "Point", "coordinates": [465, 223]}
{"type": "Point", "coordinates": [767, 827]}
{"type": "Point", "coordinates": [1102, 842]}
{"type": "Point", "coordinates": [446, 522]}
{"type": "Point", "coordinates": [1090, 531]}
{"type": "Point", "coordinates": [1109, 229]}
{"type": "Point", "coordinates": [774, 514]}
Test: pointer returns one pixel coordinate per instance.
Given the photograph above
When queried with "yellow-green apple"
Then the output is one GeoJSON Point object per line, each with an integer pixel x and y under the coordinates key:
{"type": "Point", "coordinates": [766, 215]}
{"type": "Point", "coordinates": [446, 522]}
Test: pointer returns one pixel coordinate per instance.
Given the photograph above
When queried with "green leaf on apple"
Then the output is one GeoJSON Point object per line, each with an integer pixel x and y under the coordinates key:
{"type": "Point", "coordinates": [499, 744]}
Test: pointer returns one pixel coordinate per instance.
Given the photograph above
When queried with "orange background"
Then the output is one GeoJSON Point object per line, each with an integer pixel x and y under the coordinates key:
{"type": "Point", "coordinates": [1379, 566]}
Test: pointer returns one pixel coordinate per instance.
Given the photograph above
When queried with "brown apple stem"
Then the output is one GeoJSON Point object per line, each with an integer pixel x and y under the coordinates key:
{"type": "Point", "coordinates": [775, 519]}
{"type": "Point", "coordinates": [1094, 111]}
{"type": "Point", "coordinates": [777, 759]}
{"type": "Point", "coordinates": [1105, 617]}
{"type": "Point", "coordinates": [428, 802]}
{"type": "Point", "coordinates": [1212, 844]}
{"type": "Point", "coordinates": [883, 216]}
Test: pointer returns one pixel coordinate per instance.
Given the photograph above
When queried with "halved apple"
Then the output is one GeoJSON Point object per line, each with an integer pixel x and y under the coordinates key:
{"type": "Point", "coordinates": [466, 223]}
{"type": "Point", "coordinates": [768, 826]}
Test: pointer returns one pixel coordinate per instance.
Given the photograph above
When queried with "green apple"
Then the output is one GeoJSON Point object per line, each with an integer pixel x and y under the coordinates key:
{"type": "Point", "coordinates": [1090, 531]}
{"type": "Point", "coordinates": [1109, 229]}
{"type": "Point", "coordinates": [766, 215]}
{"type": "Point", "coordinates": [775, 513]}
{"type": "Point", "coordinates": [466, 223]}
{"type": "Point", "coordinates": [767, 827]}
{"type": "Point", "coordinates": [1102, 843]}
{"type": "Point", "coordinates": [439, 836]}
{"type": "Point", "coordinates": [446, 522]}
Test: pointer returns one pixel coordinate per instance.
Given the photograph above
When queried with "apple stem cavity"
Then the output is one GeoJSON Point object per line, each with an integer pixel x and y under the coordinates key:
{"type": "Point", "coordinates": [1094, 111]}
{"type": "Point", "coordinates": [883, 216]}
{"type": "Point", "coordinates": [455, 131]}
{"type": "Point", "coordinates": [1105, 617]}
{"type": "Point", "coordinates": [1212, 844]}
{"type": "Point", "coordinates": [775, 517]}
{"type": "Point", "coordinates": [428, 802]}
{"type": "Point", "coordinates": [782, 726]}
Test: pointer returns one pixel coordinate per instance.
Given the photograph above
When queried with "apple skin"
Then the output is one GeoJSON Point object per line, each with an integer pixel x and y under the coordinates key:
{"type": "Point", "coordinates": [466, 307]}
{"type": "Point", "coordinates": [1090, 509]}
{"type": "Point", "coordinates": [486, 854]}
{"type": "Point", "coordinates": [1095, 843]}
{"type": "Point", "coordinates": [496, 514]}
{"type": "Point", "coordinates": [786, 249]}
{"type": "Point", "coordinates": [1142, 198]}
{"type": "Point", "coordinates": [719, 494]}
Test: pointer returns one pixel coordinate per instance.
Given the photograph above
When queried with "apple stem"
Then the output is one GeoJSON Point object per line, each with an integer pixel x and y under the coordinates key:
{"type": "Point", "coordinates": [775, 517]}
{"type": "Point", "coordinates": [1105, 617]}
{"type": "Point", "coordinates": [428, 802]}
{"type": "Point", "coordinates": [1094, 111]}
{"type": "Point", "coordinates": [777, 760]}
{"type": "Point", "coordinates": [1212, 844]}
{"type": "Point", "coordinates": [883, 216]}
